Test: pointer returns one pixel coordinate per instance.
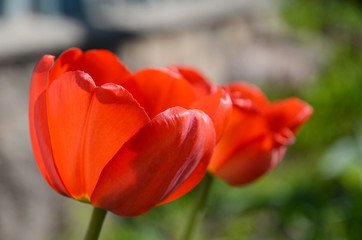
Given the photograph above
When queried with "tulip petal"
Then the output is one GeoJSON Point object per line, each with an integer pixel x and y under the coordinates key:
{"type": "Point", "coordinates": [65, 63]}
{"type": "Point", "coordinates": [38, 125]}
{"type": "Point", "coordinates": [102, 65]}
{"type": "Point", "coordinates": [243, 127]}
{"type": "Point", "coordinates": [199, 82]}
{"type": "Point", "coordinates": [218, 107]}
{"type": "Point", "coordinates": [288, 113]}
{"type": "Point", "coordinates": [88, 125]}
{"type": "Point", "coordinates": [247, 96]}
{"type": "Point", "coordinates": [159, 89]}
{"type": "Point", "coordinates": [191, 182]}
{"type": "Point", "coordinates": [68, 100]}
{"type": "Point", "coordinates": [249, 162]}
{"type": "Point", "coordinates": [114, 117]}
{"type": "Point", "coordinates": [155, 162]}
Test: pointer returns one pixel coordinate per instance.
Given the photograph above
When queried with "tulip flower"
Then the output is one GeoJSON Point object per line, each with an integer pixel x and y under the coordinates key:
{"type": "Point", "coordinates": [258, 134]}
{"type": "Point", "coordinates": [122, 141]}
{"type": "Point", "coordinates": [254, 140]}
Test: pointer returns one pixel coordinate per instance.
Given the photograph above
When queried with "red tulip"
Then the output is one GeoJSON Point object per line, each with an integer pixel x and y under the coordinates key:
{"type": "Point", "coordinates": [121, 141]}
{"type": "Point", "coordinates": [257, 135]}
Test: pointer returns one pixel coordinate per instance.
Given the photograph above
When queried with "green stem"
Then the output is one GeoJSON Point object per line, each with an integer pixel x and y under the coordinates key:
{"type": "Point", "coordinates": [198, 209]}
{"type": "Point", "coordinates": [95, 224]}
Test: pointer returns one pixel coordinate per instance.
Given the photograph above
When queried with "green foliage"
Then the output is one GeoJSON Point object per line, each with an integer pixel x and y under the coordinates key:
{"type": "Point", "coordinates": [336, 99]}
{"type": "Point", "coordinates": [322, 16]}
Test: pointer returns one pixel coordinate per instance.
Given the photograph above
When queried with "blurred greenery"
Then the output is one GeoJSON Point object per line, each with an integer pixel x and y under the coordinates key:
{"type": "Point", "coordinates": [316, 193]}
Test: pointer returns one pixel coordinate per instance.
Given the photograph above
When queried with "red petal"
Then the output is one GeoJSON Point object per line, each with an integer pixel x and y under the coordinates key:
{"type": "Point", "coordinates": [38, 124]}
{"type": "Point", "coordinates": [198, 81]}
{"type": "Point", "coordinates": [68, 100]}
{"type": "Point", "coordinates": [247, 96]}
{"type": "Point", "coordinates": [102, 65]}
{"type": "Point", "coordinates": [243, 127]}
{"type": "Point", "coordinates": [289, 113]}
{"type": "Point", "coordinates": [189, 183]}
{"type": "Point", "coordinates": [114, 117]}
{"type": "Point", "coordinates": [218, 107]}
{"type": "Point", "coordinates": [157, 90]}
{"type": "Point", "coordinates": [250, 162]}
{"type": "Point", "coordinates": [155, 162]}
{"type": "Point", "coordinates": [66, 62]}
{"type": "Point", "coordinates": [88, 128]}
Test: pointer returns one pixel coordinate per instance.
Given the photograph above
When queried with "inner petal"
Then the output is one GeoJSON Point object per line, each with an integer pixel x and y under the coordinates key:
{"type": "Point", "coordinates": [102, 65]}
{"type": "Point", "coordinates": [159, 89]}
{"type": "Point", "coordinates": [114, 117]}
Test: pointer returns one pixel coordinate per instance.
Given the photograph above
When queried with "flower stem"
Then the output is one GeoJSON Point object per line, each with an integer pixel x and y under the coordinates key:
{"type": "Point", "coordinates": [198, 209]}
{"type": "Point", "coordinates": [95, 224]}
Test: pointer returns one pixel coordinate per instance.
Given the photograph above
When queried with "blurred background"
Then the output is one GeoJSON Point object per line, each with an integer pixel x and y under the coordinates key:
{"type": "Point", "coordinates": [311, 49]}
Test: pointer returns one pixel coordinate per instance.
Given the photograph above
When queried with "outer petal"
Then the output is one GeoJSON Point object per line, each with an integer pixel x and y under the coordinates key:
{"type": "Point", "coordinates": [102, 65]}
{"type": "Point", "coordinates": [159, 89]}
{"type": "Point", "coordinates": [243, 127]}
{"type": "Point", "coordinates": [68, 100]}
{"type": "Point", "coordinates": [38, 124]}
{"type": "Point", "coordinates": [290, 113]}
{"type": "Point", "coordinates": [155, 162]}
{"type": "Point", "coordinates": [88, 127]}
{"type": "Point", "coordinates": [189, 184]}
{"type": "Point", "coordinates": [250, 162]}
